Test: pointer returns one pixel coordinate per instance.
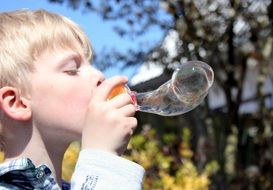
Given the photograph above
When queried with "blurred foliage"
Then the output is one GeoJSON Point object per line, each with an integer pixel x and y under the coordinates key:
{"type": "Point", "coordinates": [167, 161]}
{"type": "Point", "coordinates": [69, 161]}
{"type": "Point", "coordinates": [233, 36]}
{"type": "Point", "coordinates": [1, 156]}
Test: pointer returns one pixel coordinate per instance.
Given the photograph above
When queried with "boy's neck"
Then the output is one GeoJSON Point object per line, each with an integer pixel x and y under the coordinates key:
{"type": "Point", "coordinates": [26, 141]}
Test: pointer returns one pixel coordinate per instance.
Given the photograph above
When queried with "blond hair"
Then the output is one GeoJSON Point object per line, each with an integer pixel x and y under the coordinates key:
{"type": "Point", "coordinates": [25, 34]}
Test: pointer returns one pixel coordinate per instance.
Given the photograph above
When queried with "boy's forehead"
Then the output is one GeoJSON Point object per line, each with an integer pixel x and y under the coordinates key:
{"type": "Point", "coordinates": [67, 53]}
{"type": "Point", "coordinates": [57, 56]}
{"type": "Point", "coordinates": [66, 50]}
{"type": "Point", "coordinates": [72, 47]}
{"type": "Point", "coordinates": [61, 50]}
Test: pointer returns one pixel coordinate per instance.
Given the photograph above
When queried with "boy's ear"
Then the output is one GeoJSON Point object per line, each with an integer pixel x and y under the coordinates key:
{"type": "Point", "coordinates": [13, 104]}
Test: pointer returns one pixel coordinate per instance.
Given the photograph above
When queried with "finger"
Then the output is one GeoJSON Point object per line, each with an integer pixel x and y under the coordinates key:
{"type": "Point", "coordinates": [127, 111]}
{"type": "Point", "coordinates": [120, 100]}
{"type": "Point", "coordinates": [133, 124]}
{"type": "Point", "coordinates": [103, 91]}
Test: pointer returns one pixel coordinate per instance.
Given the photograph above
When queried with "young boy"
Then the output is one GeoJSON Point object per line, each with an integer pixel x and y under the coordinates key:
{"type": "Point", "coordinates": [50, 96]}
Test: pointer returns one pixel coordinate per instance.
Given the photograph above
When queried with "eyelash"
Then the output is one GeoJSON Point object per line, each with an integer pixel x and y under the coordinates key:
{"type": "Point", "coordinates": [72, 72]}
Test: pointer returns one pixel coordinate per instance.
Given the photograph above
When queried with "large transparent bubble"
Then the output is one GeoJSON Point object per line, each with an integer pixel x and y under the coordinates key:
{"type": "Point", "coordinates": [187, 88]}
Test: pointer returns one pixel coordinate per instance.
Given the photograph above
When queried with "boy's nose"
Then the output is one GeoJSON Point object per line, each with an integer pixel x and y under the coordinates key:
{"type": "Point", "coordinates": [99, 76]}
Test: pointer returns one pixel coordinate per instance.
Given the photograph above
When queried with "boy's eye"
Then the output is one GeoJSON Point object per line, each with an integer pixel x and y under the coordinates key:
{"type": "Point", "coordinates": [72, 72]}
{"type": "Point", "coordinates": [72, 67]}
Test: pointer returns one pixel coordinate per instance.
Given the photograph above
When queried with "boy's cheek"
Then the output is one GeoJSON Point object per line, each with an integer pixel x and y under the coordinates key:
{"type": "Point", "coordinates": [79, 95]}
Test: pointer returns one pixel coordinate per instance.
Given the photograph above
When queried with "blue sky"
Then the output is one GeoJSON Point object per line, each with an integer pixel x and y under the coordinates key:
{"type": "Point", "coordinates": [100, 32]}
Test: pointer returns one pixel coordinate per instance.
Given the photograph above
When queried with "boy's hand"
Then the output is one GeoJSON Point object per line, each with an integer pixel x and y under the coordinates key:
{"type": "Point", "coordinates": [109, 124]}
